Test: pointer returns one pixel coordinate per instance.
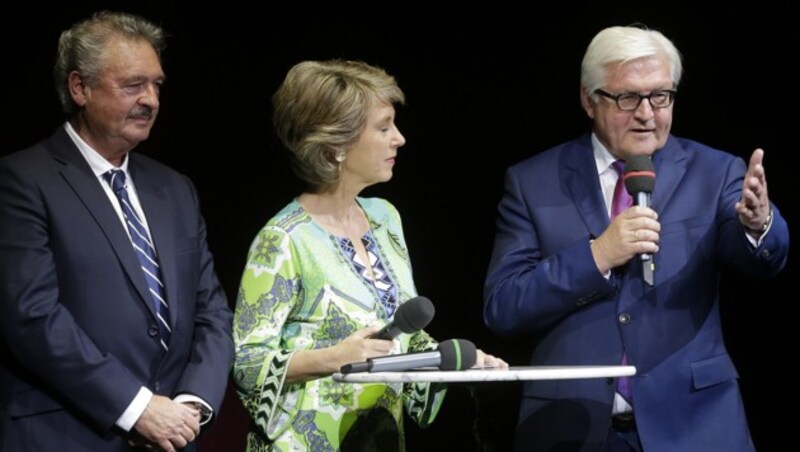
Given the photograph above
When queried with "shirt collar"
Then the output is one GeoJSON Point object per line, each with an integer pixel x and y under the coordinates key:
{"type": "Point", "coordinates": [602, 158]}
{"type": "Point", "coordinates": [97, 163]}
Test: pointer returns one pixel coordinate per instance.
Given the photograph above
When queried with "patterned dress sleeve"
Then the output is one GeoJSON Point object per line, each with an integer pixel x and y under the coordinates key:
{"type": "Point", "coordinates": [270, 288]}
{"type": "Point", "coordinates": [422, 401]}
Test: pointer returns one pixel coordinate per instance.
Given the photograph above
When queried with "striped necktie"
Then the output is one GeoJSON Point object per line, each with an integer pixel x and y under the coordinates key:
{"type": "Point", "coordinates": [145, 252]}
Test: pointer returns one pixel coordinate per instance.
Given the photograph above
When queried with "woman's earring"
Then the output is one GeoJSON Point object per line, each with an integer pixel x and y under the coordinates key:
{"type": "Point", "coordinates": [340, 156]}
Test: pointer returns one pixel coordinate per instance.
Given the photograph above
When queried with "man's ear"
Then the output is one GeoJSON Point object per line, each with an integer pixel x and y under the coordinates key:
{"type": "Point", "coordinates": [587, 103]}
{"type": "Point", "coordinates": [77, 88]}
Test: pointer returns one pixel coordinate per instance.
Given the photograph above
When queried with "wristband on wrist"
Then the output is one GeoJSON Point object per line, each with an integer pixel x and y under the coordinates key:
{"type": "Point", "coordinates": [763, 228]}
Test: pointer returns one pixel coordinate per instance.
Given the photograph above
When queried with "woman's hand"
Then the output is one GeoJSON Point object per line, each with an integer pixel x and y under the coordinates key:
{"type": "Point", "coordinates": [358, 347]}
{"type": "Point", "coordinates": [484, 360]}
{"type": "Point", "coordinates": [310, 364]}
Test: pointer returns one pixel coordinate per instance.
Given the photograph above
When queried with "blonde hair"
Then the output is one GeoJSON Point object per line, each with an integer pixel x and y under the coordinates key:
{"type": "Point", "coordinates": [321, 109]}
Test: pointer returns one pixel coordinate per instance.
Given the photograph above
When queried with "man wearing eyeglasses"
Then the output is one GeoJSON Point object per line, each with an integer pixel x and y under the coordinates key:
{"type": "Point", "coordinates": [567, 270]}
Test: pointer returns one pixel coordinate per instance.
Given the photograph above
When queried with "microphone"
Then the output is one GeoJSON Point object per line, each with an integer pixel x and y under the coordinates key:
{"type": "Point", "coordinates": [411, 316]}
{"type": "Point", "coordinates": [453, 354]}
{"type": "Point", "coordinates": [640, 180]}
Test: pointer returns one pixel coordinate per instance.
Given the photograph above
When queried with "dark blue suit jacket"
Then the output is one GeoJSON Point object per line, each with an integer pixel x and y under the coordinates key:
{"type": "Point", "coordinates": [77, 328]}
{"type": "Point", "coordinates": [543, 280]}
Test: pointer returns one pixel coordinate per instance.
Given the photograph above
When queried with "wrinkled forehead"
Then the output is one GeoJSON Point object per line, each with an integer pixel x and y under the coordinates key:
{"type": "Point", "coordinates": [131, 55]}
{"type": "Point", "coordinates": [650, 69]}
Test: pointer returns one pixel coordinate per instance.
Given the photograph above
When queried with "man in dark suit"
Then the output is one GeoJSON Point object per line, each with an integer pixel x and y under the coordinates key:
{"type": "Point", "coordinates": [114, 330]}
{"type": "Point", "coordinates": [565, 273]}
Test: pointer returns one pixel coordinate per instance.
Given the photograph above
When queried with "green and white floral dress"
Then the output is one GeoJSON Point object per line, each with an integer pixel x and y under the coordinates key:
{"type": "Point", "coordinates": [303, 288]}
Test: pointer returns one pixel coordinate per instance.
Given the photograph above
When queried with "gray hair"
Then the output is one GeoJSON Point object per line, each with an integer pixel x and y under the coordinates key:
{"type": "Point", "coordinates": [82, 48]}
{"type": "Point", "coordinates": [622, 45]}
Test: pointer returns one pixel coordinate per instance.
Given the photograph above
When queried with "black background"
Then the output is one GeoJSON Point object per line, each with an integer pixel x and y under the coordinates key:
{"type": "Point", "coordinates": [486, 86]}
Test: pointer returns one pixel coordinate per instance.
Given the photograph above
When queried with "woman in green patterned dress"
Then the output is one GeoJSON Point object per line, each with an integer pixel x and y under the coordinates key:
{"type": "Point", "coordinates": [328, 271]}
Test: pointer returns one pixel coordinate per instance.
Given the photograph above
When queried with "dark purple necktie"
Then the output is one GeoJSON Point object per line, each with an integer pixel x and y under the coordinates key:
{"type": "Point", "coordinates": [622, 200]}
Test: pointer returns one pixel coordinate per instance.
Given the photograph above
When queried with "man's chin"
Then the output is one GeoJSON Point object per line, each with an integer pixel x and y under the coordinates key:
{"type": "Point", "coordinates": [139, 133]}
{"type": "Point", "coordinates": [645, 148]}
{"type": "Point", "coordinates": [133, 140]}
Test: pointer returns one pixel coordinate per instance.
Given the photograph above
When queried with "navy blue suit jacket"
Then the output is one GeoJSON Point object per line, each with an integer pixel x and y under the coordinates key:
{"type": "Point", "coordinates": [543, 281]}
{"type": "Point", "coordinates": [77, 327]}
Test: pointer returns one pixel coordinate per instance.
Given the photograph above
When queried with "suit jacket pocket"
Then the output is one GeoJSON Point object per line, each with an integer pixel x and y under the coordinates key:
{"type": "Point", "coordinates": [184, 244]}
{"type": "Point", "coordinates": [683, 224]}
{"type": "Point", "coordinates": [687, 245]}
{"type": "Point", "coordinates": [543, 389]}
{"type": "Point", "coordinates": [32, 401]}
{"type": "Point", "coordinates": [712, 371]}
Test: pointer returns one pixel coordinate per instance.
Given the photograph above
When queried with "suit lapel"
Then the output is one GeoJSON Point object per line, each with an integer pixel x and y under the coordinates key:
{"type": "Point", "coordinates": [80, 177]}
{"type": "Point", "coordinates": [583, 184]}
{"type": "Point", "coordinates": [152, 196]}
{"type": "Point", "coordinates": [670, 166]}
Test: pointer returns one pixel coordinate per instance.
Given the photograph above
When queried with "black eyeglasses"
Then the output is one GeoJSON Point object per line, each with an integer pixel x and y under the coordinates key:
{"type": "Point", "coordinates": [631, 101]}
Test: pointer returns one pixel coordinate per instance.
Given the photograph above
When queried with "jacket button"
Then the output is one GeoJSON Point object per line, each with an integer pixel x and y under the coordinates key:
{"type": "Point", "coordinates": [153, 331]}
{"type": "Point", "coordinates": [624, 318]}
{"type": "Point", "coordinates": [584, 300]}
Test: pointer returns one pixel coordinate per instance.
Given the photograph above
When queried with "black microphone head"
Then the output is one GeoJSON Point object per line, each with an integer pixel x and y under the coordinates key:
{"type": "Point", "coordinates": [639, 174]}
{"type": "Point", "coordinates": [457, 354]}
{"type": "Point", "coordinates": [414, 315]}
